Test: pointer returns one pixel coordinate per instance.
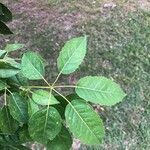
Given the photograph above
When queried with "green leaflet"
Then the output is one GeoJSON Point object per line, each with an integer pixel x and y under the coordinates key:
{"type": "Point", "coordinates": [5, 13]}
{"type": "Point", "coordinates": [8, 72]}
{"type": "Point", "coordinates": [18, 107]}
{"type": "Point", "coordinates": [18, 79]}
{"type": "Point", "coordinates": [84, 122]}
{"type": "Point", "coordinates": [7, 124]}
{"type": "Point", "coordinates": [4, 29]}
{"type": "Point", "coordinates": [63, 141]}
{"type": "Point", "coordinates": [32, 107]}
{"type": "Point", "coordinates": [13, 47]}
{"type": "Point", "coordinates": [11, 62]}
{"type": "Point", "coordinates": [44, 125]}
{"type": "Point", "coordinates": [32, 66]}
{"type": "Point", "coordinates": [8, 67]}
{"type": "Point", "coordinates": [99, 90]}
{"type": "Point", "coordinates": [72, 55]}
{"type": "Point", "coordinates": [5, 16]}
{"type": "Point", "coordinates": [2, 54]}
{"type": "Point", "coordinates": [43, 97]}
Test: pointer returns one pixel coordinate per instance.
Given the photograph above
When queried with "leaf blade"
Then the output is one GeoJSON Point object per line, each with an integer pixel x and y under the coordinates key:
{"type": "Point", "coordinates": [18, 107]}
{"type": "Point", "coordinates": [72, 55]}
{"type": "Point", "coordinates": [4, 29]}
{"type": "Point", "coordinates": [32, 66]}
{"type": "Point", "coordinates": [42, 97]}
{"type": "Point", "coordinates": [32, 107]}
{"type": "Point", "coordinates": [7, 124]}
{"type": "Point", "coordinates": [8, 67]}
{"type": "Point", "coordinates": [13, 47]}
{"type": "Point", "coordinates": [62, 141]}
{"type": "Point", "coordinates": [2, 53]}
{"type": "Point", "coordinates": [41, 133]}
{"type": "Point", "coordinates": [5, 13]}
{"type": "Point", "coordinates": [84, 123]}
{"type": "Point", "coordinates": [100, 90]}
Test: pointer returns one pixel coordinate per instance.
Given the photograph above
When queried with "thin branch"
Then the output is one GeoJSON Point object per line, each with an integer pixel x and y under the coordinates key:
{"type": "Point", "coordinates": [36, 87]}
{"type": "Point", "coordinates": [45, 81]}
{"type": "Point", "coordinates": [65, 86]}
{"type": "Point", "coordinates": [5, 100]}
{"type": "Point", "coordinates": [9, 91]}
{"type": "Point", "coordinates": [56, 79]}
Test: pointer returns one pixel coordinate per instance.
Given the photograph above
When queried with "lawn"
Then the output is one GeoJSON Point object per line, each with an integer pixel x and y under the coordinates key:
{"type": "Point", "coordinates": [119, 48]}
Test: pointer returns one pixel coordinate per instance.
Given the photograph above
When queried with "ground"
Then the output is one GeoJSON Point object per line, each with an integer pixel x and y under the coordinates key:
{"type": "Point", "coordinates": [119, 48]}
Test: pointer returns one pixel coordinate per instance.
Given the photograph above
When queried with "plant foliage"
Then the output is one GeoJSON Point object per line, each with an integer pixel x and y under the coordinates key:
{"type": "Point", "coordinates": [5, 16]}
{"type": "Point", "coordinates": [40, 113]}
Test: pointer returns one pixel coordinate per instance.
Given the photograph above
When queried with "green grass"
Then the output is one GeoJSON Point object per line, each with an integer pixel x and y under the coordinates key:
{"type": "Point", "coordinates": [119, 48]}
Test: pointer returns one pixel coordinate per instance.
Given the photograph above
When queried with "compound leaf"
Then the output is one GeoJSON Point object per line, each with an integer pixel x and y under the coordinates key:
{"type": "Point", "coordinates": [43, 97]}
{"type": "Point", "coordinates": [72, 55]}
{"type": "Point", "coordinates": [32, 66]}
{"type": "Point", "coordinates": [99, 90]}
{"type": "Point", "coordinates": [44, 125]}
{"type": "Point", "coordinates": [84, 122]}
{"type": "Point", "coordinates": [63, 141]}
{"type": "Point", "coordinates": [18, 107]}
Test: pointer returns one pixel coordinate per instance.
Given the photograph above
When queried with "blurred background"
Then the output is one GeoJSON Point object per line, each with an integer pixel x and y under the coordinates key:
{"type": "Point", "coordinates": [118, 48]}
